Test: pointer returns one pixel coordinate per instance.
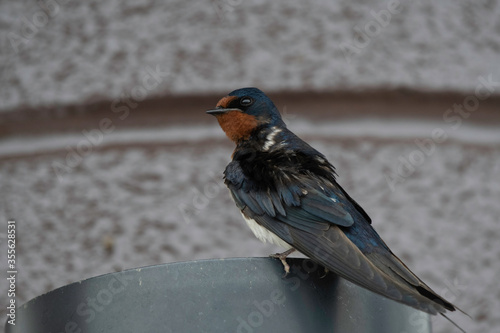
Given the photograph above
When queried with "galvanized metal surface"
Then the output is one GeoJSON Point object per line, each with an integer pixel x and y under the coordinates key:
{"type": "Point", "coordinates": [223, 295]}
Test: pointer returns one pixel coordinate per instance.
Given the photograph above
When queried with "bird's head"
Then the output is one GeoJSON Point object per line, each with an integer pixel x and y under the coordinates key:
{"type": "Point", "coordinates": [244, 111]}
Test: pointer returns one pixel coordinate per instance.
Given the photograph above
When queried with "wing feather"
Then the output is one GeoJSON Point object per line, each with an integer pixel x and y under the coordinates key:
{"type": "Point", "coordinates": [319, 219]}
{"type": "Point", "coordinates": [332, 249]}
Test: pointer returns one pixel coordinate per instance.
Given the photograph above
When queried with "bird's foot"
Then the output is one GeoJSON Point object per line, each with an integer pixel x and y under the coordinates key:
{"type": "Point", "coordinates": [282, 257]}
{"type": "Point", "coordinates": [326, 273]}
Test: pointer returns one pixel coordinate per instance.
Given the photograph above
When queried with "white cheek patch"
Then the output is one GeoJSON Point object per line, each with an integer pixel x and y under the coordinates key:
{"type": "Point", "coordinates": [265, 235]}
{"type": "Point", "coordinates": [270, 138]}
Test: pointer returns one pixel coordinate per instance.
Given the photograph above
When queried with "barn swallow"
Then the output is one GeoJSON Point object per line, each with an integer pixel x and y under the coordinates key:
{"type": "Point", "coordinates": [288, 195]}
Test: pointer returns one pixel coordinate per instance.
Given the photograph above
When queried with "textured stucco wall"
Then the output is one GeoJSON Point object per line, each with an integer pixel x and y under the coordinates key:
{"type": "Point", "coordinates": [69, 51]}
{"type": "Point", "coordinates": [158, 197]}
{"type": "Point", "coordinates": [119, 207]}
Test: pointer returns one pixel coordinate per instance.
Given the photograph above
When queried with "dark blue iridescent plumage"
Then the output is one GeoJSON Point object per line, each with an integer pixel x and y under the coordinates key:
{"type": "Point", "coordinates": [290, 189]}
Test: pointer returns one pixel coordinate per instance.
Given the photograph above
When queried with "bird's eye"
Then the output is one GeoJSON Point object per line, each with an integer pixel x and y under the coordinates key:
{"type": "Point", "coordinates": [246, 101]}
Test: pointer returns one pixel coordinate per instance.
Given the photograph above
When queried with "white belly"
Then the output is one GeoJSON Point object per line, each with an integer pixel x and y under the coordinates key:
{"type": "Point", "coordinates": [265, 235]}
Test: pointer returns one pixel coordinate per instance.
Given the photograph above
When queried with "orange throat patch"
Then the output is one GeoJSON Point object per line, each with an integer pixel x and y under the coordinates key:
{"type": "Point", "coordinates": [237, 125]}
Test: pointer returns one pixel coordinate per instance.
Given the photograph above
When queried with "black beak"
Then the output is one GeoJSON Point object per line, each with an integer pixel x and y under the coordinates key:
{"type": "Point", "coordinates": [220, 110]}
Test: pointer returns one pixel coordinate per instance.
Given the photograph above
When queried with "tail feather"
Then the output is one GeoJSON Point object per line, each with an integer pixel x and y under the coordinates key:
{"type": "Point", "coordinates": [394, 267]}
{"type": "Point", "coordinates": [333, 250]}
{"type": "Point", "coordinates": [455, 324]}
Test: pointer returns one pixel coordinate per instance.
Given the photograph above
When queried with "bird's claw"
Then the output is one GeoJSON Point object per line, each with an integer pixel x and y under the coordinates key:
{"type": "Point", "coordinates": [282, 258]}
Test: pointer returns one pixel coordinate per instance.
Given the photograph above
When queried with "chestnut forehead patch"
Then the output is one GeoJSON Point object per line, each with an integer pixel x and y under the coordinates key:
{"type": "Point", "coordinates": [225, 101]}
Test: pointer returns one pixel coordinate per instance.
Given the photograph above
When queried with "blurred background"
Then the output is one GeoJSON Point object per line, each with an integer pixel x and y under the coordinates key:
{"type": "Point", "coordinates": [108, 161]}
